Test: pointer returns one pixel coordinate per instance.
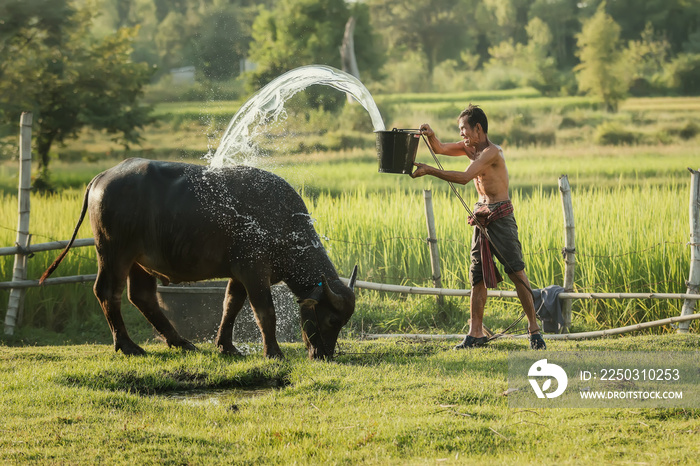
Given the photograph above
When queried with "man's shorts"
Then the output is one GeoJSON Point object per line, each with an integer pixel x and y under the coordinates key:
{"type": "Point", "coordinates": [504, 235]}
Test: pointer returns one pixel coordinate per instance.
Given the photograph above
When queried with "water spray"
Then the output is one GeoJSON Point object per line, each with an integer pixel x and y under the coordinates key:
{"type": "Point", "coordinates": [237, 144]}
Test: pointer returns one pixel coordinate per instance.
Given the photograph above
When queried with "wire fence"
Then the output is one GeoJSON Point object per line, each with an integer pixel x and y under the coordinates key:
{"type": "Point", "coordinates": [466, 246]}
{"type": "Point", "coordinates": [84, 281]}
{"type": "Point", "coordinates": [553, 251]}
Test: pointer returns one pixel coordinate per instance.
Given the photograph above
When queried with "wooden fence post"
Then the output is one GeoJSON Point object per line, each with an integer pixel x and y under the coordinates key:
{"type": "Point", "coordinates": [14, 305]}
{"type": "Point", "coordinates": [693, 282]}
{"type": "Point", "coordinates": [569, 251]}
{"type": "Point", "coordinates": [432, 242]}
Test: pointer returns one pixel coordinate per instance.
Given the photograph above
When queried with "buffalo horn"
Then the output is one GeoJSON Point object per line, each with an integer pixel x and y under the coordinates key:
{"type": "Point", "coordinates": [353, 277]}
{"type": "Point", "coordinates": [336, 300]}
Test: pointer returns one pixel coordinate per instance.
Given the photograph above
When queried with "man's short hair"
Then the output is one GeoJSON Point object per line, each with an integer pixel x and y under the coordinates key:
{"type": "Point", "coordinates": [475, 115]}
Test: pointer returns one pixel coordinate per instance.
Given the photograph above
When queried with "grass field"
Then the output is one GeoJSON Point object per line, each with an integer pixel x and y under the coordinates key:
{"type": "Point", "coordinates": [379, 403]}
{"type": "Point", "coordinates": [388, 402]}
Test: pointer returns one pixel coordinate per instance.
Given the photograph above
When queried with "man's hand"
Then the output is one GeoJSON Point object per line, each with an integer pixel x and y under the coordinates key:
{"type": "Point", "coordinates": [422, 170]}
{"type": "Point", "coordinates": [427, 130]}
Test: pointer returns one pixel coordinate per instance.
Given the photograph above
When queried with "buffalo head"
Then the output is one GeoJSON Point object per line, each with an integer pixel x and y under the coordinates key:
{"type": "Point", "coordinates": [324, 313]}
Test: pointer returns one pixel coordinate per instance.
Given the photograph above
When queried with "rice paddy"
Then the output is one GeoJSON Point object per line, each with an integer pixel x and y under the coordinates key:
{"type": "Point", "coordinates": [630, 204]}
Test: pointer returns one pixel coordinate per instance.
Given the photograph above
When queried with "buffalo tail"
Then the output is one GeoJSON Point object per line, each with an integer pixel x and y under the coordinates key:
{"type": "Point", "coordinates": [58, 260]}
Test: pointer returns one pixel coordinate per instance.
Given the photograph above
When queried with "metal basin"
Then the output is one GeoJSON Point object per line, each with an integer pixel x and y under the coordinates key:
{"type": "Point", "coordinates": [195, 311]}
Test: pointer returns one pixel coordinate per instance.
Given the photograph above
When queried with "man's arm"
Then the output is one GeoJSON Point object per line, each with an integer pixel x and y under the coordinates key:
{"type": "Point", "coordinates": [486, 158]}
{"type": "Point", "coordinates": [450, 148]}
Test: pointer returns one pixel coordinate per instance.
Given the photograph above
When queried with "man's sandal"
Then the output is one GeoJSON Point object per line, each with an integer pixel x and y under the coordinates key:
{"type": "Point", "coordinates": [472, 342]}
{"type": "Point", "coordinates": [537, 342]}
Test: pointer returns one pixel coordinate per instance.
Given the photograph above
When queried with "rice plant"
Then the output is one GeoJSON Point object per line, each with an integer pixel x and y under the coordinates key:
{"type": "Point", "coordinates": [629, 239]}
{"type": "Point", "coordinates": [630, 204]}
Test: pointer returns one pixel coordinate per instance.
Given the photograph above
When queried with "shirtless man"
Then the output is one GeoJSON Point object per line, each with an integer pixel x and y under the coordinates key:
{"type": "Point", "coordinates": [488, 170]}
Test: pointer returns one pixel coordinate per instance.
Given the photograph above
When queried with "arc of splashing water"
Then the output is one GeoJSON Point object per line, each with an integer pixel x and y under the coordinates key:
{"type": "Point", "coordinates": [268, 103]}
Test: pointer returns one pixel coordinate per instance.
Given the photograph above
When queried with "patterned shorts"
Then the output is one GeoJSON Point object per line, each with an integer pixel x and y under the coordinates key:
{"type": "Point", "coordinates": [504, 238]}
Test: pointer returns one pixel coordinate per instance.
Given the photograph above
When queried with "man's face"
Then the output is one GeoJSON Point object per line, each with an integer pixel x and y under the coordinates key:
{"type": "Point", "coordinates": [469, 134]}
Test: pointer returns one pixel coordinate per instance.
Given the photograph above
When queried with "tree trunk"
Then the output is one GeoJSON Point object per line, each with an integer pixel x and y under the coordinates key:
{"type": "Point", "coordinates": [347, 49]}
{"type": "Point", "coordinates": [347, 52]}
{"type": "Point", "coordinates": [43, 146]}
{"type": "Point", "coordinates": [42, 182]}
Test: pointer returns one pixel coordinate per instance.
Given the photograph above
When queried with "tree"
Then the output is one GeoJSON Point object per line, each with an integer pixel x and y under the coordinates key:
{"type": "Point", "coordinates": [67, 78]}
{"type": "Point", "coordinates": [683, 74]}
{"type": "Point", "coordinates": [675, 19]}
{"type": "Point", "coordinates": [296, 33]}
{"type": "Point", "coordinates": [220, 46]}
{"type": "Point", "coordinates": [531, 64]}
{"type": "Point", "coordinates": [368, 52]}
{"type": "Point", "coordinates": [24, 31]}
{"type": "Point", "coordinates": [305, 32]}
{"type": "Point", "coordinates": [438, 29]}
{"type": "Point", "coordinates": [560, 17]}
{"type": "Point", "coordinates": [603, 69]}
{"type": "Point", "coordinates": [648, 58]}
{"type": "Point", "coordinates": [542, 65]}
{"type": "Point", "coordinates": [168, 40]}
{"type": "Point", "coordinates": [510, 17]}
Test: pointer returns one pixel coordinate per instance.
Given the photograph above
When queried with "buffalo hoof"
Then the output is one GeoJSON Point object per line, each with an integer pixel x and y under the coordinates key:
{"type": "Point", "coordinates": [274, 355]}
{"type": "Point", "coordinates": [228, 349]}
{"type": "Point", "coordinates": [184, 345]}
{"type": "Point", "coordinates": [129, 348]}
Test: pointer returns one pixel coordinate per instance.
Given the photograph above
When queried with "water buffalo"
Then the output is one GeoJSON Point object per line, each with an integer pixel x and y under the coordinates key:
{"type": "Point", "coordinates": [180, 222]}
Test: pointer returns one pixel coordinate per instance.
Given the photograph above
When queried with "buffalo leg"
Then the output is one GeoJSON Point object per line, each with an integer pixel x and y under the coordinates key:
{"type": "Point", "coordinates": [142, 293]}
{"type": "Point", "coordinates": [233, 303]}
{"type": "Point", "coordinates": [264, 310]}
{"type": "Point", "coordinates": [108, 289]}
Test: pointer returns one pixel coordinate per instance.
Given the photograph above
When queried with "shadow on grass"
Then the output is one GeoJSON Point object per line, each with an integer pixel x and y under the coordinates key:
{"type": "Point", "coordinates": [165, 382]}
{"type": "Point", "coordinates": [167, 371]}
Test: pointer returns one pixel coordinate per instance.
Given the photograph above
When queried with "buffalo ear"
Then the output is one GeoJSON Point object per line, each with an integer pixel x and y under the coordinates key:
{"type": "Point", "coordinates": [335, 299]}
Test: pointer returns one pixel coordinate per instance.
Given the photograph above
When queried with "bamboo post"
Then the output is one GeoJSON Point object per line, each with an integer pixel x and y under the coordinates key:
{"type": "Point", "coordinates": [432, 242]}
{"type": "Point", "coordinates": [568, 336]}
{"type": "Point", "coordinates": [14, 305]}
{"type": "Point", "coordinates": [693, 282]}
{"type": "Point", "coordinates": [569, 251]}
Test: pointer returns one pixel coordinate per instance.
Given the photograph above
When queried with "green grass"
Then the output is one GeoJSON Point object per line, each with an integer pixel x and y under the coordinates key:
{"type": "Point", "coordinates": [520, 118]}
{"type": "Point", "coordinates": [379, 403]}
{"type": "Point", "coordinates": [221, 107]}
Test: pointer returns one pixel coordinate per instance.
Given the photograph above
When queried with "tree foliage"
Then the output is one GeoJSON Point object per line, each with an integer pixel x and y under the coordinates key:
{"type": "Point", "coordinates": [220, 46]}
{"type": "Point", "coordinates": [67, 78]}
{"type": "Point", "coordinates": [295, 33]}
{"type": "Point", "coordinates": [529, 64]}
{"type": "Point", "coordinates": [438, 29]}
{"type": "Point", "coordinates": [409, 37]}
{"type": "Point", "coordinates": [67, 64]}
{"type": "Point", "coordinates": [603, 71]}
{"type": "Point", "coordinates": [305, 32]}
{"type": "Point", "coordinates": [648, 59]}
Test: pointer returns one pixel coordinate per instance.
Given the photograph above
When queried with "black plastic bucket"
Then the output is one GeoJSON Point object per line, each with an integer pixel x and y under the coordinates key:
{"type": "Point", "coordinates": [396, 150]}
